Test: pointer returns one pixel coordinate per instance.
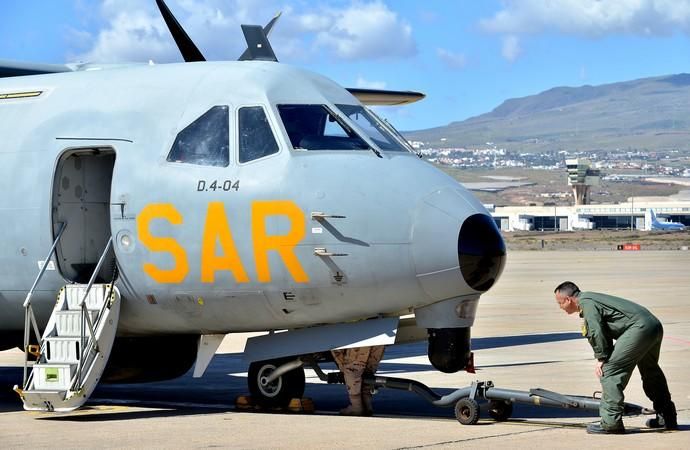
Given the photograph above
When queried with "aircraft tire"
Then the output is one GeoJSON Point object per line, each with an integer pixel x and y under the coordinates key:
{"type": "Point", "coordinates": [500, 410]}
{"type": "Point", "coordinates": [467, 411]}
{"type": "Point", "coordinates": [279, 392]}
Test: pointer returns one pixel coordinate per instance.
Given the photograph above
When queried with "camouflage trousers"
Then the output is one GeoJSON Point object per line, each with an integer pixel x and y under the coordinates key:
{"type": "Point", "coordinates": [353, 362]}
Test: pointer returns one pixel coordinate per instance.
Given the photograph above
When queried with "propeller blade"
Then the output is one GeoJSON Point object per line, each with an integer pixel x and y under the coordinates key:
{"type": "Point", "coordinates": [189, 51]}
{"type": "Point", "coordinates": [246, 55]}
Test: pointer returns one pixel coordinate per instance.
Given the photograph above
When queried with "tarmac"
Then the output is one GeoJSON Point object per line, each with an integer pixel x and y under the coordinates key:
{"type": "Point", "coordinates": [521, 340]}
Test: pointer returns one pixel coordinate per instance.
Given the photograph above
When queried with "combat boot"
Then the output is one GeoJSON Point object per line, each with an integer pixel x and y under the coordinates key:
{"type": "Point", "coordinates": [355, 408]}
{"type": "Point", "coordinates": [596, 428]}
{"type": "Point", "coordinates": [666, 418]}
{"type": "Point", "coordinates": [670, 417]}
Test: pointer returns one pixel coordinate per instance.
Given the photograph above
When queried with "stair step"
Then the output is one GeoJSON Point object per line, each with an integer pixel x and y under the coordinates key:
{"type": "Point", "coordinates": [50, 385]}
{"type": "Point", "coordinates": [63, 350]}
{"type": "Point", "coordinates": [44, 392]}
{"type": "Point", "coordinates": [53, 377]}
{"type": "Point", "coordinates": [69, 322]}
{"type": "Point", "coordinates": [75, 292]}
{"type": "Point", "coordinates": [42, 399]}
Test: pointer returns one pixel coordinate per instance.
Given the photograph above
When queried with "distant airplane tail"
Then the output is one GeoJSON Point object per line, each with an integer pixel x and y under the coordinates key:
{"type": "Point", "coordinates": [654, 220]}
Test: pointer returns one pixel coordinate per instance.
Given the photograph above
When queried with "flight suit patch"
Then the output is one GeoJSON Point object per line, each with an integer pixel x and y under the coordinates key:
{"type": "Point", "coordinates": [584, 328]}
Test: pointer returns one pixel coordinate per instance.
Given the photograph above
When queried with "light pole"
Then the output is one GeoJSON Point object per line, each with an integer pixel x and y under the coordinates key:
{"type": "Point", "coordinates": [632, 208]}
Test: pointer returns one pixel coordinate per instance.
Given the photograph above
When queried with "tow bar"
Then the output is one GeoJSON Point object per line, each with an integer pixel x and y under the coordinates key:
{"type": "Point", "coordinates": [466, 399]}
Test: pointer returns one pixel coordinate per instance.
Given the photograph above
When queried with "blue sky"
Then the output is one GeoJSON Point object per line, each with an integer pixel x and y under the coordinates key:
{"type": "Point", "coordinates": [466, 56]}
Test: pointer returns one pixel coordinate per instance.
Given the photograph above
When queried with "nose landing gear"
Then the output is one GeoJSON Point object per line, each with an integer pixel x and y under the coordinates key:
{"type": "Point", "coordinates": [274, 383]}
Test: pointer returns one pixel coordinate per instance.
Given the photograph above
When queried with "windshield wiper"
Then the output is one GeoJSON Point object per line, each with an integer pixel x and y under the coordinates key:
{"type": "Point", "coordinates": [352, 134]}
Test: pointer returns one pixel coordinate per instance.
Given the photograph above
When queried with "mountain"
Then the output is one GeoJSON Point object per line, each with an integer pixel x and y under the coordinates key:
{"type": "Point", "coordinates": [645, 114]}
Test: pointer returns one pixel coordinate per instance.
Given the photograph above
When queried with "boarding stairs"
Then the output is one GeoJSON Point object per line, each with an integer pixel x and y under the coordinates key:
{"type": "Point", "coordinates": [73, 350]}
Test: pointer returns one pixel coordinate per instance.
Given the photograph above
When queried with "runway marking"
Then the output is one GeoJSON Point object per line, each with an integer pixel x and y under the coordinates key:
{"type": "Point", "coordinates": [435, 444]}
{"type": "Point", "coordinates": [675, 339]}
{"type": "Point", "coordinates": [157, 403]}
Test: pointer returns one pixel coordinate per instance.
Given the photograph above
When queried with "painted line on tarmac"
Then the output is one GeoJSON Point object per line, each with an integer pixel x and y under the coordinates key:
{"type": "Point", "coordinates": [156, 403]}
{"type": "Point", "coordinates": [459, 441]}
{"type": "Point", "coordinates": [679, 340]}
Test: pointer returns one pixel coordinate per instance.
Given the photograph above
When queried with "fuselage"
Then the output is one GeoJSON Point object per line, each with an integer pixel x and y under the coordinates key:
{"type": "Point", "coordinates": [665, 226]}
{"type": "Point", "coordinates": [290, 239]}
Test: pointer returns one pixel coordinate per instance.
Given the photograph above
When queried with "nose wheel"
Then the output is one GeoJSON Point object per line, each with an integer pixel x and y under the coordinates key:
{"type": "Point", "coordinates": [279, 391]}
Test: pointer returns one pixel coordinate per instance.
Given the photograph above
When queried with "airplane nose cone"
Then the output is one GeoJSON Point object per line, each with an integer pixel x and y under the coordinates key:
{"type": "Point", "coordinates": [456, 247]}
{"type": "Point", "coordinates": [481, 252]}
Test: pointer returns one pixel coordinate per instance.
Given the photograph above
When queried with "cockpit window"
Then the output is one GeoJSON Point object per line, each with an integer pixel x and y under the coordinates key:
{"type": "Point", "coordinates": [206, 141]}
{"type": "Point", "coordinates": [256, 137]}
{"type": "Point", "coordinates": [314, 127]}
{"type": "Point", "coordinates": [373, 127]}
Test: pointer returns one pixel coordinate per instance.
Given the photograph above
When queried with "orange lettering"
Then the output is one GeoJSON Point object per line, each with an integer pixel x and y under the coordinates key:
{"type": "Point", "coordinates": [162, 244]}
{"type": "Point", "coordinates": [218, 229]}
{"type": "Point", "coordinates": [284, 245]}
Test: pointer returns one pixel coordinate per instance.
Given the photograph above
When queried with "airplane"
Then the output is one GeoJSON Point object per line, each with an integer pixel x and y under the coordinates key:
{"type": "Point", "coordinates": [665, 226]}
{"type": "Point", "coordinates": [150, 210]}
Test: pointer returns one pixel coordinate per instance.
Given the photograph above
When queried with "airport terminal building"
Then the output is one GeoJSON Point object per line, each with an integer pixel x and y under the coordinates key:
{"type": "Point", "coordinates": [634, 214]}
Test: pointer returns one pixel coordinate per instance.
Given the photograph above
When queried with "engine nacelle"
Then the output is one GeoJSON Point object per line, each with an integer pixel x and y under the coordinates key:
{"type": "Point", "coordinates": [449, 348]}
{"type": "Point", "coordinates": [151, 358]}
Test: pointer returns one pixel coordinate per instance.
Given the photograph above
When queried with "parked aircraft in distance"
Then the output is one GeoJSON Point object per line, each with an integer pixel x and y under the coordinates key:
{"type": "Point", "coordinates": [666, 226]}
{"type": "Point", "coordinates": [169, 205]}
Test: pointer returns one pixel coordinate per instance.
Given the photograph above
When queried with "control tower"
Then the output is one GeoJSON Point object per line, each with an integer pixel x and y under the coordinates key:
{"type": "Point", "coordinates": [581, 177]}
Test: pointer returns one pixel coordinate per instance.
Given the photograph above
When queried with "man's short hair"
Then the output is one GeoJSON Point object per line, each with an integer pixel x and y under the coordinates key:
{"type": "Point", "coordinates": [567, 288]}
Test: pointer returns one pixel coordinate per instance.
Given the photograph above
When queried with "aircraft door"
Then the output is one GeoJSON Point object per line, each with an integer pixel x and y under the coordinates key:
{"type": "Point", "coordinates": [81, 200]}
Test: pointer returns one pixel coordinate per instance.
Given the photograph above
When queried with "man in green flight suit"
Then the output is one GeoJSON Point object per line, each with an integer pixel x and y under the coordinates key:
{"type": "Point", "coordinates": [638, 334]}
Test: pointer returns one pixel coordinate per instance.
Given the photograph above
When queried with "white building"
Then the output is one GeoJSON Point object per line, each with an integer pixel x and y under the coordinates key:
{"type": "Point", "coordinates": [603, 216]}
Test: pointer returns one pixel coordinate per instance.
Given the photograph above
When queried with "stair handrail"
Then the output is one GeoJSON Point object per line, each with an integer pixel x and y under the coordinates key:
{"type": "Point", "coordinates": [29, 317]}
{"type": "Point", "coordinates": [86, 317]}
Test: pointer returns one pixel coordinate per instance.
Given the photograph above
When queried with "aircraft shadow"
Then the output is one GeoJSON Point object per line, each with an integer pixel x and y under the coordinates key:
{"type": "Point", "coordinates": [341, 237]}
{"type": "Point", "coordinates": [420, 348]}
{"type": "Point", "coordinates": [221, 384]}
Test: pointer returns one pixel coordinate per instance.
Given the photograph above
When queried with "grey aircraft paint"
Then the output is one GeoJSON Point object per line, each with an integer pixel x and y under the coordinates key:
{"type": "Point", "coordinates": [377, 232]}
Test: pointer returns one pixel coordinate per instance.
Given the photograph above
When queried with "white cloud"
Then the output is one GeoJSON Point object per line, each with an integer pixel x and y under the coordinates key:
{"type": "Point", "coordinates": [366, 30]}
{"type": "Point", "coordinates": [511, 48]}
{"type": "Point", "coordinates": [131, 36]}
{"type": "Point", "coordinates": [362, 83]}
{"type": "Point", "coordinates": [450, 59]}
{"type": "Point", "coordinates": [591, 17]}
{"type": "Point", "coordinates": [134, 30]}
{"type": "Point", "coordinates": [314, 22]}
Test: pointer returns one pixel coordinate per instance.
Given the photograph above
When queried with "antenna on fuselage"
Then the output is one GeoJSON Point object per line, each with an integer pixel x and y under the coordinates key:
{"type": "Point", "coordinates": [258, 46]}
{"type": "Point", "coordinates": [249, 52]}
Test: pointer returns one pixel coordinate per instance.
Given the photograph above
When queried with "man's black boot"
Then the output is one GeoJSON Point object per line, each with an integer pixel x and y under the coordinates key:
{"type": "Point", "coordinates": [670, 417]}
{"type": "Point", "coordinates": [666, 418]}
{"type": "Point", "coordinates": [595, 428]}
{"type": "Point", "coordinates": [656, 422]}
